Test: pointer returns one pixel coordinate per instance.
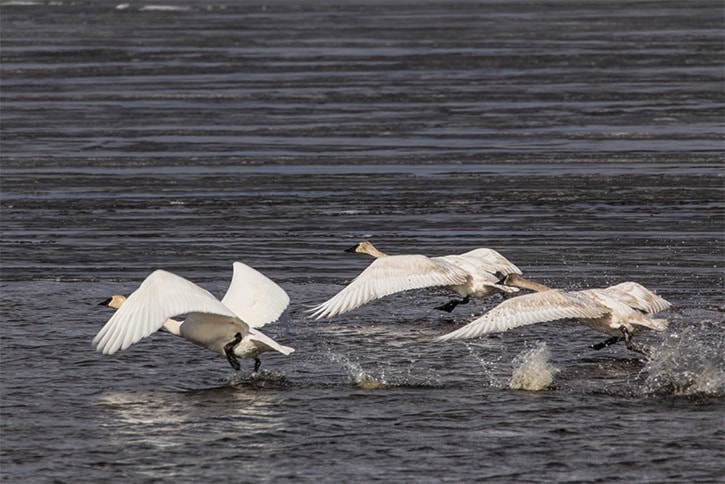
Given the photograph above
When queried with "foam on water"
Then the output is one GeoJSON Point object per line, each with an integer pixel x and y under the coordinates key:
{"type": "Point", "coordinates": [533, 370]}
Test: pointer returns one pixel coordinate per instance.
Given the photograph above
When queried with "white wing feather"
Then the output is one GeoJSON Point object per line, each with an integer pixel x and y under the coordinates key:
{"type": "Point", "coordinates": [488, 260]}
{"type": "Point", "coordinates": [254, 297]}
{"type": "Point", "coordinates": [533, 308]}
{"type": "Point", "coordinates": [621, 310]}
{"type": "Point", "coordinates": [388, 275]}
{"type": "Point", "coordinates": [639, 297]}
{"type": "Point", "coordinates": [162, 295]}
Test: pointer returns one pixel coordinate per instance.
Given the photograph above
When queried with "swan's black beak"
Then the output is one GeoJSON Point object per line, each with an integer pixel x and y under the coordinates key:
{"type": "Point", "coordinates": [106, 302]}
{"type": "Point", "coordinates": [352, 249]}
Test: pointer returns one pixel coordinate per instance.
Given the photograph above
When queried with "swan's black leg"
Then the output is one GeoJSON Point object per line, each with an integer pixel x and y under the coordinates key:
{"type": "Point", "coordinates": [229, 351]}
{"type": "Point", "coordinates": [605, 343]}
{"type": "Point", "coordinates": [451, 305]}
{"type": "Point", "coordinates": [257, 364]}
{"type": "Point", "coordinates": [632, 346]}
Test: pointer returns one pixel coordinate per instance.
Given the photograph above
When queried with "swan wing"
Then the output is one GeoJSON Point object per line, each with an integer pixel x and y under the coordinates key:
{"type": "Point", "coordinates": [533, 308]}
{"type": "Point", "coordinates": [638, 297]}
{"type": "Point", "coordinates": [388, 275]}
{"type": "Point", "coordinates": [162, 295]}
{"type": "Point", "coordinates": [491, 261]}
{"type": "Point", "coordinates": [622, 312]}
{"type": "Point", "coordinates": [254, 297]}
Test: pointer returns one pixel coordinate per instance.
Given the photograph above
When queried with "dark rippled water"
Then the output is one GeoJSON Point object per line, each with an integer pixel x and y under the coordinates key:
{"type": "Point", "coordinates": [583, 140]}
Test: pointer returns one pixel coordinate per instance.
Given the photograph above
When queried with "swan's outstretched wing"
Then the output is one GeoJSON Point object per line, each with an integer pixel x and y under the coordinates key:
{"type": "Point", "coordinates": [162, 295]}
{"type": "Point", "coordinates": [491, 261]}
{"type": "Point", "coordinates": [639, 297]}
{"type": "Point", "coordinates": [388, 275]}
{"type": "Point", "coordinates": [538, 307]}
{"type": "Point", "coordinates": [254, 297]}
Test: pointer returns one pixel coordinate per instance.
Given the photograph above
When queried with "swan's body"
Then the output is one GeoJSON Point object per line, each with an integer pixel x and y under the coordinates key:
{"type": "Point", "coordinates": [485, 268]}
{"type": "Point", "coordinates": [226, 327]}
{"type": "Point", "coordinates": [474, 274]}
{"type": "Point", "coordinates": [618, 311]}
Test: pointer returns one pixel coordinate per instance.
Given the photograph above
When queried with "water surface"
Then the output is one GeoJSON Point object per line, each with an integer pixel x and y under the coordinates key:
{"type": "Point", "coordinates": [583, 140]}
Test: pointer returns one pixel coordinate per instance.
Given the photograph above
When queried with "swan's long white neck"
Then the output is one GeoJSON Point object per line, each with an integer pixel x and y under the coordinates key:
{"type": "Point", "coordinates": [370, 249]}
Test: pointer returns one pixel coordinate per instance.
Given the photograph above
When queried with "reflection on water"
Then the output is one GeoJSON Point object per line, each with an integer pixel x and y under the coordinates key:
{"type": "Point", "coordinates": [156, 417]}
{"type": "Point", "coordinates": [178, 424]}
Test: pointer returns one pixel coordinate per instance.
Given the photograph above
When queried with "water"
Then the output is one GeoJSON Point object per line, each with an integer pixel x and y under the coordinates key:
{"type": "Point", "coordinates": [583, 140]}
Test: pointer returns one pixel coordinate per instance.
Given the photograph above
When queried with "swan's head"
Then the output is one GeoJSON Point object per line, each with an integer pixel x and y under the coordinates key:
{"type": "Point", "coordinates": [365, 248]}
{"type": "Point", "coordinates": [114, 301]}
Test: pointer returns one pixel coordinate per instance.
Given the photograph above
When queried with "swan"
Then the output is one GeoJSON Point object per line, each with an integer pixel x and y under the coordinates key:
{"type": "Point", "coordinates": [476, 273]}
{"type": "Point", "coordinates": [618, 311]}
{"type": "Point", "coordinates": [226, 327]}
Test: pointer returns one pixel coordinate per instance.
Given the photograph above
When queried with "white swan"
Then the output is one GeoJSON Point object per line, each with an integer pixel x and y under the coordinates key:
{"type": "Point", "coordinates": [474, 274]}
{"type": "Point", "coordinates": [619, 311]}
{"type": "Point", "coordinates": [225, 327]}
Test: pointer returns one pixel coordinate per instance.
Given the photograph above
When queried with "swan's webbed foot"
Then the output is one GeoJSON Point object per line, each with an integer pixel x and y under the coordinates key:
{"type": "Point", "coordinates": [257, 364]}
{"type": "Point", "coordinates": [605, 343]}
{"type": "Point", "coordinates": [632, 346]}
{"type": "Point", "coordinates": [451, 305]}
{"type": "Point", "coordinates": [229, 351]}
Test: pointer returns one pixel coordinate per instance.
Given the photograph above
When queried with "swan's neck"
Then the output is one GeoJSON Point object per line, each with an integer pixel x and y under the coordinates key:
{"type": "Point", "coordinates": [518, 281]}
{"type": "Point", "coordinates": [371, 250]}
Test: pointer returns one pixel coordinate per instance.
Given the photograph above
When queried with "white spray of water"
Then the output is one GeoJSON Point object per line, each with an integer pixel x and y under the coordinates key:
{"type": "Point", "coordinates": [691, 362]}
{"type": "Point", "coordinates": [359, 377]}
{"type": "Point", "coordinates": [533, 370]}
{"type": "Point", "coordinates": [488, 366]}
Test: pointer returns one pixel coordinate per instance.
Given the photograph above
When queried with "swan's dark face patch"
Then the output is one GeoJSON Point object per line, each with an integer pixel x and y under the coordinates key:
{"type": "Point", "coordinates": [353, 249]}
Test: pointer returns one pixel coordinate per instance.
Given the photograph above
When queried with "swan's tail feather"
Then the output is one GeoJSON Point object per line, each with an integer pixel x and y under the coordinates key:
{"type": "Point", "coordinates": [268, 343]}
{"type": "Point", "coordinates": [655, 324]}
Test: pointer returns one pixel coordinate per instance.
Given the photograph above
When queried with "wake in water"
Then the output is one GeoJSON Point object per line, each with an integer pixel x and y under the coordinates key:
{"type": "Point", "coordinates": [691, 362]}
{"type": "Point", "coordinates": [262, 378]}
{"type": "Point", "coordinates": [533, 370]}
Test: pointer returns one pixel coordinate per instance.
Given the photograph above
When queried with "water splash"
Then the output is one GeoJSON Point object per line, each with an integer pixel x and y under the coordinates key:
{"type": "Point", "coordinates": [359, 377]}
{"type": "Point", "coordinates": [691, 362]}
{"type": "Point", "coordinates": [533, 370]}
{"type": "Point", "coordinates": [488, 365]}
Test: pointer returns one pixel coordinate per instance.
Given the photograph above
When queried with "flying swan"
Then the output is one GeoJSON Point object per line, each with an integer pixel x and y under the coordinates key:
{"type": "Point", "coordinates": [474, 274]}
{"type": "Point", "coordinates": [226, 327]}
{"type": "Point", "coordinates": [618, 311]}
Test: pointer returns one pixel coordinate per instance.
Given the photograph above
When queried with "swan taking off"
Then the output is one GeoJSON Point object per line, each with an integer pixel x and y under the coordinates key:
{"type": "Point", "coordinates": [619, 311]}
{"type": "Point", "coordinates": [474, 274]}
{"type": "Point", "coordinates": [226, 327]}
